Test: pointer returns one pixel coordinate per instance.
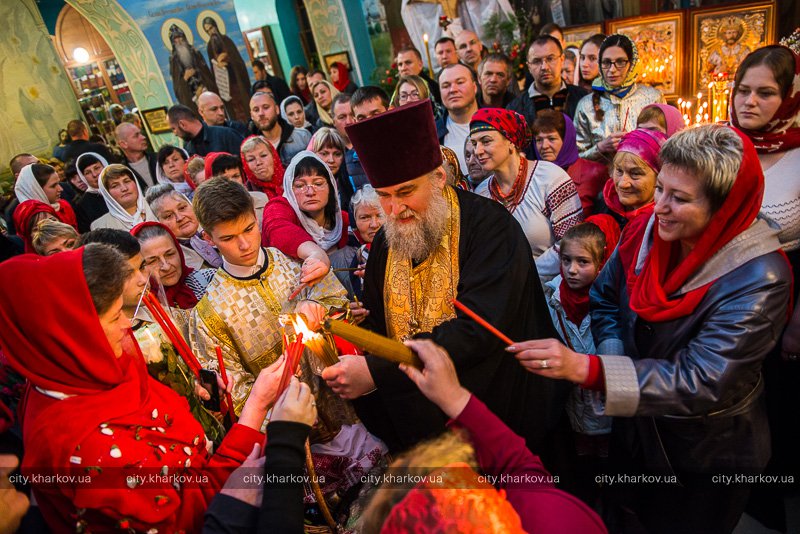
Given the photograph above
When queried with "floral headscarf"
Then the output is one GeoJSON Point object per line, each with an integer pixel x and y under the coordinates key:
{"type": "Point", "coordinates": [599, 83]}
{"type": "Point", "coordinates": [510, 124]}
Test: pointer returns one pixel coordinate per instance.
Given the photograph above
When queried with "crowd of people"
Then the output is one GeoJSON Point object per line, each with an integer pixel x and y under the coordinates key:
{"type": "Point", "coordinates": [640, 275]}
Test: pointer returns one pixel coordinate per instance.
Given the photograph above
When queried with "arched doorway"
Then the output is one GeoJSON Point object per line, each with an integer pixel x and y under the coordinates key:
{"type": "Point", "coordinates": [97, 77]}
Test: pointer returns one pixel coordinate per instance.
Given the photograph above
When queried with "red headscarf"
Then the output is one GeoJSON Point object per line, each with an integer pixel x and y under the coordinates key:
{"type": "Point", "coordinates": [72, 355]}
{"type": "Point", "coordinates": [23, 216]}
{"type": "Point", "coordinates": [179, 295]}
{"type": "Point", "coordinates": [344, 76]}
{"type": "Point", "coordinates": [188, 177]}
{"type": "Point", "coordinates": [462, 502]}
{"type": "Point", "coordinates": [576, 301]}
{"type": "Point", "coordinates": [510, 124]}
{"type": "Point", "coordinates": [651, 289]}
{"type": "Point", "coordinates": [782, 132]}
{"type": "Point", "coordinates": [273, 188]}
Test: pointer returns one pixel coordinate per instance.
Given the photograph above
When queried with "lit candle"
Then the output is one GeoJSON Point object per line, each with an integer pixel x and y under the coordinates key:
{"type": "Point", "coordinates": [428, 54]}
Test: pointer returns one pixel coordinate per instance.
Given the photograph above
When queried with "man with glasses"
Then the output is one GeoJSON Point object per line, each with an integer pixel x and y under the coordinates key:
{"type": "Point", "coordinates": [548, 90]}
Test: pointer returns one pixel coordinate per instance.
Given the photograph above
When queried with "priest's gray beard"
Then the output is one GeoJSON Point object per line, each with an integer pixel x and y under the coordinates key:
{"type": "Point", "coordinates": [417, 240]}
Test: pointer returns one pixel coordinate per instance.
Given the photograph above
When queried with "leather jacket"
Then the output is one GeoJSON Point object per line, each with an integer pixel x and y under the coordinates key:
{"type": "Point", "coordinates": [690, 390]}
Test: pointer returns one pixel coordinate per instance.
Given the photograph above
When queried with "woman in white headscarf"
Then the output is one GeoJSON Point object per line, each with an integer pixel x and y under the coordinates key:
{"type": "Point", "coordinates": [127, 206]}
{"type": "Point", "coordinates": [292, 112]}
{"type": "Point", "coordinates": [41, 182]}
{"type": "Point", "coordinates": [309, 211]}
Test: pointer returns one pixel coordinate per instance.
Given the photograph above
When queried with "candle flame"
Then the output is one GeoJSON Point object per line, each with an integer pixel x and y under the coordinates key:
{"type": "Point", "coordinates": [425, 37]}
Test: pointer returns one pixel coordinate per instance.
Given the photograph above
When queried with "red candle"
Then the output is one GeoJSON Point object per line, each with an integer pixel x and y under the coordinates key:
{"type": "Point", "coordinates": [483, 322]}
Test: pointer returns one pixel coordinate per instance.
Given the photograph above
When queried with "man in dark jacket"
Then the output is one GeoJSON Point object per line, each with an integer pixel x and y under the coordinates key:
{"type": "Point", "coordinates": [136, 157]}
{"type": "Point", "coordinates": [409, 62]}
{"type": "Point", "coordinates": [198, 137]}
{"type": "Point", "coordinates": [267, 121]}
{"type": "Point", "coordinates": [80, 143]}
{"type": "Point", "coordinates": [471, 245]}
{"type": "Point", "coordinates": [212, 111]}
{"type": "Point", "coordinates": [548, 90]}
{"type": "Point", "coordinates": [280, 89]}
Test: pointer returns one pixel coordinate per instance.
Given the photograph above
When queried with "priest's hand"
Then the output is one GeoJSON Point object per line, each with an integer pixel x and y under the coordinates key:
{"type": "Point", "coordinates": [314, 313]}
{"type": "Point", "coordinates": [550, 358]}
{"type": "Point", "coordinates": [350, 378]}
{"type": "Point", "coordinates": [358, 312]}
{"type": "Point", "coordinates": [438, 380]}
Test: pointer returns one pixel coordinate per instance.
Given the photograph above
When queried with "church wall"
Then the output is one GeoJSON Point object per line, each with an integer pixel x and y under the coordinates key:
{"type": "Point", "coordinates": [36, 99]}
{"type": "Point", "coordinates": [281, 19]}
{"type": "Point", "coordinates": [134, 54]}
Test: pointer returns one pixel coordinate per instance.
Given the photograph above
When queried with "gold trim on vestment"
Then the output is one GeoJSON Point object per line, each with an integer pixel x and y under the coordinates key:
{"type": "Point", "coordinates": [417, 299]}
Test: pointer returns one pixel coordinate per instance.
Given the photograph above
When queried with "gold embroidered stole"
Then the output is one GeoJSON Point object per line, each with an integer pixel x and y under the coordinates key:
{"type": "Point", "coordinates": [416, 299]}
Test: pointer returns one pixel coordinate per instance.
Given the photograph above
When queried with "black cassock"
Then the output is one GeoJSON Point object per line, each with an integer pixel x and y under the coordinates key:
{"type": "Point", "coordinates": [498, 281]}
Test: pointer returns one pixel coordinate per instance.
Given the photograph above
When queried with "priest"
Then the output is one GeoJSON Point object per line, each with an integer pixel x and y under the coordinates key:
{"type": "Point", "coordinates": [441, 243]}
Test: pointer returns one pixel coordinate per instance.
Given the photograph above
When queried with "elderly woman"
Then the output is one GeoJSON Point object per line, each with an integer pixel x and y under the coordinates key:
{"type": "Point", "coordinates": [51, 237]}
{"type": "Point", "coordinates": [308, 220]}
{"type": "Point", "coordinates": [94, 412]}
{"type": "Point", "coordinates": [41, 182]}
{"type": "Point", "coordinates": [477, 174]}
{"type": "Point", "coordinates": [369, 218]}
{"type": "Point", "coordinates": [262, 166]}
{"type": "Point", "coordinates": [630, 190]}
{"type": "Point", "coordinates": [689, 305]}
{"type": "Point", "coordinates": [766, 107]}
{"type": "Point", "coordinates": [163, 255]}
{"type": "Point", "coordinates": [175, 211]}
{"type": "Point", "coordinates": [554, 141]}
{"type": "Point", "coordinates": [603, 116]}
{"type": "Point", "coordinates": [539, 194]}
{"type": "Point", "coordinates": [127, 206]}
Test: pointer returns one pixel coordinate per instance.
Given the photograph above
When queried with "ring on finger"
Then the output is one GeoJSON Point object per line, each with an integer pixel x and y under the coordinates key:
{"type": "Point", "coordinates": [544, 364]}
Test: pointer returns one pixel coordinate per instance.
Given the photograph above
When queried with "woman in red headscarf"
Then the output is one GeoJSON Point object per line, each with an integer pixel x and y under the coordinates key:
{"type": "Point", "coordinates": [137, 456]}
{"type": "Point", "coordinates": [263, 169]}
{"type": "Point", "coordinates": [631, 189]}
{"type": "Point", "coordinates": [540, 195]}
{"type": "Point", "coordinates": [691, 303]}
{"type": "Point", "coordinates": [161, 251]}
{"type": "Point", "coordinates": [27, 216]}
{"type": "Point", "coordinates": [766, 107]}
{"type": "Point", "coordinates": [340, 77]}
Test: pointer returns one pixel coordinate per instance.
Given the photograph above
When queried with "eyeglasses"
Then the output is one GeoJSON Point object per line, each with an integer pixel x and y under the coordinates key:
{"type": "Point", "coordinates": [538, 61]}
{"type": "Point", "coordinates": [406, 96]}
{"type": "Point", "coordinates": [620, 64]}
{"type": "Point", "coordinates": [316, 186]}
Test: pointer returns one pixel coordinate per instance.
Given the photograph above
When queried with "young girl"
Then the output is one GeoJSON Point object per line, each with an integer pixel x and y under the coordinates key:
{"type": "Point", "coordinates": [584, 250]}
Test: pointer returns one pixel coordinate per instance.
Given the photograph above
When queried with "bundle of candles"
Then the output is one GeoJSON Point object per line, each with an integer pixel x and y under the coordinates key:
{"type": "Point", "coordinates": [320, 344]}
{"type": "Point", "coordinates": [375, 344]}
{"type": "Point", "coordinates": [294, 351]}
{"type": "Point", "coordinates": [164, 320]}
